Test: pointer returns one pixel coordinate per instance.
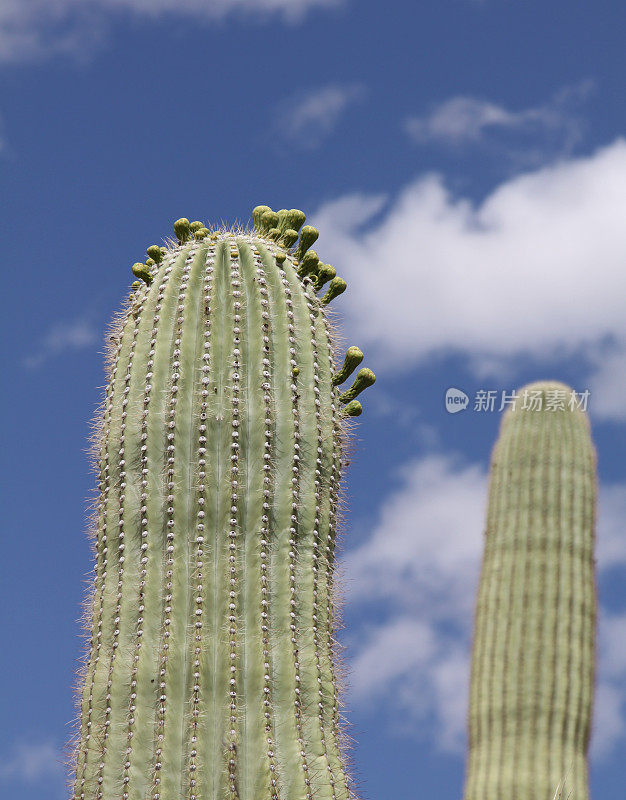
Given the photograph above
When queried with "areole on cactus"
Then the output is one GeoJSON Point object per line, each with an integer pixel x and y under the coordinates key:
{"type": "Point", "coordinates": [212, 664]}
{"type": "Point", "coordinates": [534, 641]}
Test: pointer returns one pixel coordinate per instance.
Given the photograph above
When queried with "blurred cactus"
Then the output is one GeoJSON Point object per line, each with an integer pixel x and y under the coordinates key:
{"type": "Point", "coordinates": [534, 640]}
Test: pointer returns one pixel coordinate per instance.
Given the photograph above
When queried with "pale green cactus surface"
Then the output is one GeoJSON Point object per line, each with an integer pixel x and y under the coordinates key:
{"type": "Point", "coordinates": [533, 662]}
{"type": "Point", "coordinates": [212, 668]}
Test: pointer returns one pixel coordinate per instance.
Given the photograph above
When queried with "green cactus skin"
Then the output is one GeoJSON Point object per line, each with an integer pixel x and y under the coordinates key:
{"type": "Point", "coordinates": [533, 655]}
{"type": "Point", "coordinates": [212, 665]}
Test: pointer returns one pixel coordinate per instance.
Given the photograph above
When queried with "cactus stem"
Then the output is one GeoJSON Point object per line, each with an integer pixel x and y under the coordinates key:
{"type": "Point", "coordinates": [171, 693]}
{"type": "Point", "coordinates": [332, 657]}
{"type": "Point", "coordinates": [98, 601]}
{"type": "Point", "coordinates": [269, 717]}
{"type": "Point", "coordinates": [220, 454]}
{"type": "Point", "coordinates": [318, 587]}
{"type": "Point", "coordinates": [135, 687]}
{"type": "Point", "coordinates": [111, 698]}
{"type": "Point", "coordinates": [234, 655]}
{"type": "Point", "coordinates": [296, 523]}
{"type": "Point", "coordinates": [532, 663]}
{"type": "Point", "coordinates": [198, 575]}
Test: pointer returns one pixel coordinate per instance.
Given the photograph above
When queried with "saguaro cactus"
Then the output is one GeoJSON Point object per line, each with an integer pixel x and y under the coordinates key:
{"type": "Point", "coordinates": [211, 669]}
{"type": "Point", "coordinates": [533, 654]}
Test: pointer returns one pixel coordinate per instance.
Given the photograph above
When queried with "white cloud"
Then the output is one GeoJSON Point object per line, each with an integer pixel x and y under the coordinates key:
{"type": "Point", "coordinates": [457, 120]}
{"type": "Point", "coordinates": [35, 29]}
{"type": "Point", "coordinates": [536, 268]}
{"type": "Point", "coordinates": [438, 502]}
{"type": "Point", "coordinates": [307, 119]}
{"type": "Point", "coordinates": [608, 723]}
{"type": "Point", "coordinates": [608, 384]}
{"type": "Point", "coordinates": [463, 120]}
{"type": "Point", "coordinates": [611, 516]}
{"type": "Point", "coordinates": [421, 560]}
{"type": "Point", "coordinates": [62, 338]}
{"type": "Point", "coordinates": [31, 763]}
{"type": "Point", "coordinates": [420, 565]}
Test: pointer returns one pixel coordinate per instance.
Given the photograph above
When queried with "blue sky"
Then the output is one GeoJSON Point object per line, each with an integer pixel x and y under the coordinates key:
{"type": "Point", "coordinates": [466, 165]}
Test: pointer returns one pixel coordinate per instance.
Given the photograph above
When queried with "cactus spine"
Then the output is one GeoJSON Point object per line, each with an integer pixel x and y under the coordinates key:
{"type": "Point", "coordinates": [211, 671]}
{"type": "Point", "coordinates": [533, 652]}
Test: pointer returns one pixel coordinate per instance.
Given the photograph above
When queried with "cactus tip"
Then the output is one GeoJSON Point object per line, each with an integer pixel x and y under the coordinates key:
{"type": "Point", "coordinates": [353, 409]}
{"type": "Point", "coordinates": [336, 287]}
{"type": "Point", "coordinates": [257, 217]}
{"type": "Point", "coordinates": [294, 219]}
{"type": "Point", "coordinates": [308, 237]}
{"type": "Point", "coordinates": [309, 264]}
{"type": "Point", "coordinates": [325, 274]}
{"type": "Point", "coordinates": [155, 253]}
{"type": "Point", "coordinates": [142, 271]}
{"type": "Point", "coordinates": [181, 229]}
{"type": "Point", "coordinates": [364, 378]}
{"type": "Point", "coordinates": [269, 220]}
{"type": "Point", "coordinates": [289, 238]}
{"type": "Point", "coordinates": [351, 361]}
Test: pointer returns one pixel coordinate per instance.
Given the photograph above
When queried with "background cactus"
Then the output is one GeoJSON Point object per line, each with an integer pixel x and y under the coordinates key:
{"type": "Point", "coordinates": [533, 652]}
{"type": "Point", "coordinates": [212, 669]}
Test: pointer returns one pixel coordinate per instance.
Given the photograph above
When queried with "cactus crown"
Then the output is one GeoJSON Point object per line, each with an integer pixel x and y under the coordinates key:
{"type": "Point", "coordinates": [211, 670]}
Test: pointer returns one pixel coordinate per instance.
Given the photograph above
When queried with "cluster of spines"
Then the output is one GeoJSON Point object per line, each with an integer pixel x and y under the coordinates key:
{"type": "Point", "coordinates": [198, 575]}
{"type": "Point", "coordinates": [121, 558]}
{"type": "Point", "coordinates": [338, 445]}
{"type": "Point", "coordinates": [144, 545]}
{"type": "Point", "coordinates": [269, 723]}
{"type": "Point", "coordinates": [234, 509]}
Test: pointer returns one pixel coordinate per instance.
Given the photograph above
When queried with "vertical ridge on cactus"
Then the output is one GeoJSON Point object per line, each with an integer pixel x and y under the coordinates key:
{"type": "Point", "coordinates": [533, 654]}
{"type": "Point", "coordinates": [212, 664]}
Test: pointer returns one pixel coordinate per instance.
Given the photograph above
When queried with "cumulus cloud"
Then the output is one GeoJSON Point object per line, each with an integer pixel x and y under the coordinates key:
{"type": "Point", "coordinates": [420, 565]}
{"type": "Point", "coordinates": [536, 268]}
{"type": "Point", "coordinates": [307, 119]}
{"type": "Point", "coordinates": [438, 502]}
{"type": "Point", "coordinates": [421, 562]}
{"type": "Point", "coordinates": [61, 338]}
{"type": "Point", "coordinates": [608, 383]}
{"type": "Point", "coordinates": [464, 120]}
{"type": "Point", "coordinates": [32, 763]}
{"type": "Point", "coordinates": [39, 28]}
